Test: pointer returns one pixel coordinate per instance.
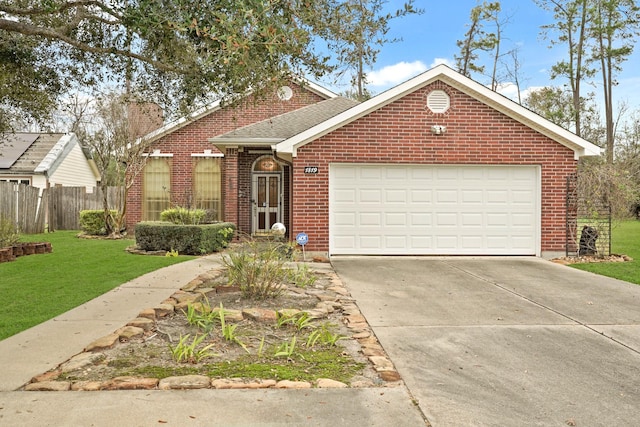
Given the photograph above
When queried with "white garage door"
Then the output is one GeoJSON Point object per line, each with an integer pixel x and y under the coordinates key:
{"type": "Point", "coordinates": [434, 210]}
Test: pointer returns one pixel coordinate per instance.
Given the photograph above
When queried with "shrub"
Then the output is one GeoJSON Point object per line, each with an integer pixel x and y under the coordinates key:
{"type": "Point", "coordinates": [9, 235]}
{"type": "Point", "coordinates": [183, 215]}
{"type": "Point", "coordinates": [184, 239]}
{"type": "Point", "coordinates": [92, 221]}
{"type": "Point", "coordinates": [258, 268]}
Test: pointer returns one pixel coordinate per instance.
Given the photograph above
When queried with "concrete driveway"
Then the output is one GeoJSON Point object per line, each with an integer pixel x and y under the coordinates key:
{"type": "Point", "coordinates": [504, 341]}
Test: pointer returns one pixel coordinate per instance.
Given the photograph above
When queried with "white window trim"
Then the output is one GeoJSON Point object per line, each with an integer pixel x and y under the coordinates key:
{"type": "Point", "coordinates": [157, 153]}
{"type": "Point", "coordinates": [207, 153]}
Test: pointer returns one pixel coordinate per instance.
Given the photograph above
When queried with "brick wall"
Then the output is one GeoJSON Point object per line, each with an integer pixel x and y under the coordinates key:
{"type": "Point", "coordinates": [401, 133]}
{"type": "Point", "coordinates": [193, 138]}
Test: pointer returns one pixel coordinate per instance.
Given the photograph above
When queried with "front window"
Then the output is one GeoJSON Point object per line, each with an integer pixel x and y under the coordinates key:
{"type": "Point", "coordinates": [207, 185]}
{"type": "Point", "coordinates": [157, 186]}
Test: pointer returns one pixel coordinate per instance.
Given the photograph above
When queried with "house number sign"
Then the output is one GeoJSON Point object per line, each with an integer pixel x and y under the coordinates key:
{"type": "Point", "coordinates": [310, 169]}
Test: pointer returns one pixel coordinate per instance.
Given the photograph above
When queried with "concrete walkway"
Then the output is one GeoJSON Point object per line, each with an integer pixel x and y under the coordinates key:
{"type": "Point", "coordinates": [43, 347]}
{"type": "Point", "coordinates": [505, 341]}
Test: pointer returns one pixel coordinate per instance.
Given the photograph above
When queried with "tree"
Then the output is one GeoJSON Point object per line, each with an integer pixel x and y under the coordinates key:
{"type": "Point", "coordinates": [477, 39]}
{"type": "Point", "coordinates": [571, 28]}
{"type": "Point", "coordinates": [28, 81]}
{"type": "Point", "coordinates": [599, 36]}
{"type": "Point", "coordinates": [513, 71]}
{"type": "Point", "coordinates": [117, 150]}
{"type": "Point", "coordinates": [356, 31]}
{"type": "Point", "coordinates": [614, 25]}
{"type": "Point", "coordinates": [554, 104]}
{"type": "Point", "coordinates": [175, 52]}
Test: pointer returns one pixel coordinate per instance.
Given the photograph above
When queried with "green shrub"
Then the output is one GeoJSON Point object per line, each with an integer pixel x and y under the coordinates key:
{"type": "Point", "coordinates": [183, 215]}
{"type": "Point", "coordinates": [258, 268]}
{"type": "Point", "coordinates": [92, 221]}
{"type": "Point", "coordinates": [9, 235]}
{"type": "Point", "coordinates": [184, 239]}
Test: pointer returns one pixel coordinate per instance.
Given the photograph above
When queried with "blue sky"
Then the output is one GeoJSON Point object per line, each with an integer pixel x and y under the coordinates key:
{"type": "Point", "coordinates": [430, 38]}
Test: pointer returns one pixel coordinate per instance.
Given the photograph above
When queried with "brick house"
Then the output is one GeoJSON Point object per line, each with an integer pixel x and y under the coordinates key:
{"type": "Point", "coordinates": [439, 165]}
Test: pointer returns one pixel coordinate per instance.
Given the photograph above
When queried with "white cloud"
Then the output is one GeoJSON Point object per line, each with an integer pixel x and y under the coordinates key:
{"type": "Point", "coordinates": [392, 75]}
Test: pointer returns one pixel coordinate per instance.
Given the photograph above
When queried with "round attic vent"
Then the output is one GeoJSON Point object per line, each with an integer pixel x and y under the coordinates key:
{"type": "Point", "coordinates": [438, 101]}
{"type": "Point", "coordinates": [285, 93]}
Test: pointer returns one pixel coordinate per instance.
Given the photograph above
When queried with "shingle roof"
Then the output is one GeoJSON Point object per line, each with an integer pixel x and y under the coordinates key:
{"type": "Point", "coordinates": [289, 124]}
{"type": "Point", "coordinates": [35, 151]}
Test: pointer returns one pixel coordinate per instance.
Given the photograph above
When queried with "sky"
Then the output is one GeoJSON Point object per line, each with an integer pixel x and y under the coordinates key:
{"type": "Point", "coordinates": [430, 39]}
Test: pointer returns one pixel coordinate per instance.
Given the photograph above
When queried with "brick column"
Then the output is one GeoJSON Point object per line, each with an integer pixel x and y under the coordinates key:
{"type": "Point", "coordinates": [231, 185]}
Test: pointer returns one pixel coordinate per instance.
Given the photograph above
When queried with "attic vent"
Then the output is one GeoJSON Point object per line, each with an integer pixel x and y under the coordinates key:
{"type": "Point", "coordinates": [285, 93]}
{"type": "Point", "coordinates": [438, 101]}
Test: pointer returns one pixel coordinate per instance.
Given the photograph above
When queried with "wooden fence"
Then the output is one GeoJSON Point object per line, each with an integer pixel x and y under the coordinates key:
{"type": "Point", "coordinates": [56, 208]}
{"type": "Point", "coordinates": [22, 204]}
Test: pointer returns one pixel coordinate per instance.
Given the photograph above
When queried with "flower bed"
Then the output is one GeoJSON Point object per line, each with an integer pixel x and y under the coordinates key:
{"type": "Point", "coordinates": [21, 249]}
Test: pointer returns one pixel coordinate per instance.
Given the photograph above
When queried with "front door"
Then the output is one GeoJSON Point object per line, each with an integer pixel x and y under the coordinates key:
{"type": "Point", "coordinates": [266, 202]}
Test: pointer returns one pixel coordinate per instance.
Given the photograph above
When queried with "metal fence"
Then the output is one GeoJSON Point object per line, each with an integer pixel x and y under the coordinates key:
{"type": "Point", "coordinates": [56, 208]}
{"type": "Point", "coordinates": [588, 222]}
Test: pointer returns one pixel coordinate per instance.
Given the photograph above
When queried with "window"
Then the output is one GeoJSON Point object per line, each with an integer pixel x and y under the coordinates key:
{"type": "Point", "coordinates": [24, 181]}
{"type": "Point", "coordinates": [156, 188]}
{"type": "Point", "coordinates": [207, 185]}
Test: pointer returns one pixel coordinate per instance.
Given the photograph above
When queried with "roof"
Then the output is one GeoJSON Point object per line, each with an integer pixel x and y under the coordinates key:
{"type": "Point", "coordinates": [214, 106]}
{"type": "Point", "coordinates": [286, 125]}
{"type": "Point", "coordinates": [580, 146]}
{"type": "Point", "coordinates": [42, 152]}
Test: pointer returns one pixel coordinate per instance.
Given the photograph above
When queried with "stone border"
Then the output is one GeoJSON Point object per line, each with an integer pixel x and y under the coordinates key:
{"type": "Point", "coordinates": [352, 318]}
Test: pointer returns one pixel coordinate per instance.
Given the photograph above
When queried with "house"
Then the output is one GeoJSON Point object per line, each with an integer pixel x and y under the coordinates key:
{"type": "Point", "coordinates": [46, 160]}
{"type": "Point", "coordinates": [184, 169]}
{"type": "Point", "coordinates": [439, 165]}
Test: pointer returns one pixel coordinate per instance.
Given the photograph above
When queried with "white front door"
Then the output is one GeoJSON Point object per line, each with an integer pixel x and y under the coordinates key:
{"type": "Point", "coordinates": [265, 202]}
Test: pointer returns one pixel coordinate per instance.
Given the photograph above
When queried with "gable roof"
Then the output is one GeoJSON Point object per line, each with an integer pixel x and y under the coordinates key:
{"type": "Point", "coordinates": [581, 147]}
{"type": "Point", "coordinates": [41, 152]}
{"type": "Point", "coordinates": [216, 105]}
{"type": "Point", "coordinates": [278, 128]}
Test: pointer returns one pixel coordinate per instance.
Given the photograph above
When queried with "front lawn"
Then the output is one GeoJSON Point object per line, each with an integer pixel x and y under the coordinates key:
{"type": "Point", "coordinates": [36, 288]}
{"type": "Point", "coordinates": [625, 240]}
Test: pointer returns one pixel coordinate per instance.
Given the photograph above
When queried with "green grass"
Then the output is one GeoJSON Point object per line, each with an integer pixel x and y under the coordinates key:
{"type": "Point", "coordinates": [625, 240]}
{"type": "Point", "coordinates": [36, 288]}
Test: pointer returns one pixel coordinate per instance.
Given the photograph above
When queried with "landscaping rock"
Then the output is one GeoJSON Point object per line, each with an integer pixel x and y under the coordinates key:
{"type": "Point", "coordinates": [240, 383]}
{"type": "Point", "coordinates": [48, 386]}
{"type": "Point", "coordinates": [129, 332]}
{"type": "Point", "coordinates": [163, 310]}
{"type": "Point", "coordinates": [185, 382]}
{"type": "Point", "coordinates": [260, 314]}
{"type": "Point", "coordinates": [329, 383]}
{"type": "Point", "coordinates": [103, 343]}
{"type": "Point", "coordinates": [148, 313]}
{"type": "Point", "coordinates": [130, 383]}
{"type": "Point", "coordinates": [143, 323]}
{"type": "Point", "coordinates": [86, 386]}
{"type": "Point", "coordinates": [81, 360]}
{"type": "Point", "coordinates": [293, 384]}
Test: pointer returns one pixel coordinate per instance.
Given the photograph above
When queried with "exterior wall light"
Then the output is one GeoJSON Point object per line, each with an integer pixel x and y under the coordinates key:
{"type": "Point", "coordinates": [438, 129]}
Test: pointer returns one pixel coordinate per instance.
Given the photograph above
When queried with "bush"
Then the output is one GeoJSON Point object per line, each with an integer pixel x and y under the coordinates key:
{"type": "Point", "coordinates": [259, 268]}
{"type": "Point", "coordinates": [183, 215]}
{"type": "Point", "coordinates": [184, 239]}
{"type": "Point", "coordinates": [9, 235]}
{"type": "Point", "coordinates": [92, 221]}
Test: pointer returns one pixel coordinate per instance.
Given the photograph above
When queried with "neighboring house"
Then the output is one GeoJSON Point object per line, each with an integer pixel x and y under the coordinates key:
{"type": "Point", "coordinates": [439, 165]}
{"type": "Point", "coordinates": [46, 160]}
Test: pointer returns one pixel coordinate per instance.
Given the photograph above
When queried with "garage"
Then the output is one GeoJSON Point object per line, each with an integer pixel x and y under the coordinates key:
{"type": "Point", "coordinates": [391, 209]}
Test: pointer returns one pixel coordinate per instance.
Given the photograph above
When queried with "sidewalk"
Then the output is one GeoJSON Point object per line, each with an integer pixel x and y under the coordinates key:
{"type": "Point", "coordinates": [43, 347]}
